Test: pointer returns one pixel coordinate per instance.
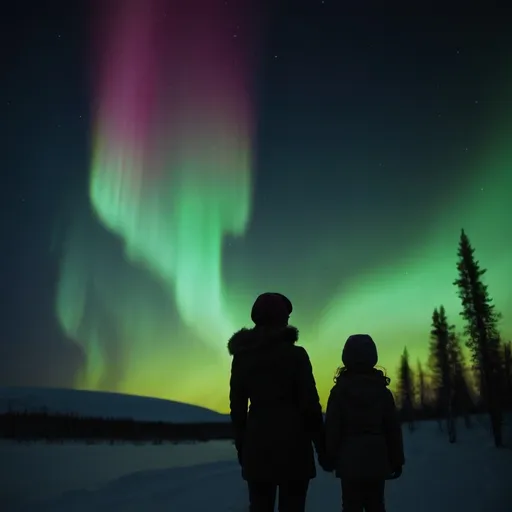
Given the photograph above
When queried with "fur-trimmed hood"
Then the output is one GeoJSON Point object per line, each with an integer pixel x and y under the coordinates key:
{"type": "Point", "coordinates": [259, 337]}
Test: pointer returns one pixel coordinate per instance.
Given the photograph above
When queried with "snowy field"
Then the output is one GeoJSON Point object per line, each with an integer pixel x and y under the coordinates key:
{"type": "Point", "coordinates": [470, 476]}
{"type": "Point", "coordinates": [39, 471]}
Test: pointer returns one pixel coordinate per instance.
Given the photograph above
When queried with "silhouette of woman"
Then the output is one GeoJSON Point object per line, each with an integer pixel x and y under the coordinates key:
{"type": "Point", "coordinates": [274, 437]}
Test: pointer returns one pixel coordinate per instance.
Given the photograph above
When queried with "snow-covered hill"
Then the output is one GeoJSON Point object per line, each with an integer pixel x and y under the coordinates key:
{"type": "Point", "coordinates": [102, 404]}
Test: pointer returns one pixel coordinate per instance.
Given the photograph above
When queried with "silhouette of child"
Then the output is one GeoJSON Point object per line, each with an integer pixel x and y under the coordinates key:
{"type": "Point", "coordinates": [363, 434]}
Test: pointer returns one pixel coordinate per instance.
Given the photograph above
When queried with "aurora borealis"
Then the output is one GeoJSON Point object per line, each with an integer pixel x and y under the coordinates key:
{"type": "Point", "coordinates": [171, 163]}
{"type": "Point", "coordinates": [225, 158]}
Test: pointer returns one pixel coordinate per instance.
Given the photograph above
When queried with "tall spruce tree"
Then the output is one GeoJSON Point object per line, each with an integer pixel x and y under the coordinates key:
{"type": "Point", "coordinates": [441, 365]}
{"type": "Point", "coordinates": [461, 396]}
{"type": "Point", "coordinates": [406, 389]}
{"type": "Point", "coordinates": [439, 357]}
{"type": "Point", "coordinates": [422, 388]}
{"type": "Point", "coordinates": [481, 328]}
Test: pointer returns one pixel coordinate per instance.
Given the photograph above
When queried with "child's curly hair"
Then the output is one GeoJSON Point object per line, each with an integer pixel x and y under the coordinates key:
{"type": "Point", "coordinates": [341, 370]}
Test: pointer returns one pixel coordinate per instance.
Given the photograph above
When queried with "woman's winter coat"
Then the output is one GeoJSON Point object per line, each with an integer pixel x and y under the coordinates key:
{"type": "Point", "coordinates": [274, 436]}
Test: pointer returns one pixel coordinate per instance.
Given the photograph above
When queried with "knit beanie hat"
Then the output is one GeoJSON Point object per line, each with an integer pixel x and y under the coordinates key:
{"type": "Point", "coordinates": [271, 309]}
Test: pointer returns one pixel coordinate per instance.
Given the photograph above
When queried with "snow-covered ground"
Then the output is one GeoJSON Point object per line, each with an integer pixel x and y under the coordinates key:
{"type": "Point", "coordinates": [470, 476]}
{"type": "Point", "coordinates": [39, 471]}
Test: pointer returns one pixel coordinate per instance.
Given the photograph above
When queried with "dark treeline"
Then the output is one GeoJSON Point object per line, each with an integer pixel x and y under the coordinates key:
{"type": "Point", "coordinates": [449, 386]}
{"type": "Point", "coordinates": [29, 426]}
{"type": "Point", "coordinates": [54, 427]}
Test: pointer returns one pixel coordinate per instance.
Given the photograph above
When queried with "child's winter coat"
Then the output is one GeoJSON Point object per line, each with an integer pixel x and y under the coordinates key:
{"type": "Point", "coordinates": [363, 433]}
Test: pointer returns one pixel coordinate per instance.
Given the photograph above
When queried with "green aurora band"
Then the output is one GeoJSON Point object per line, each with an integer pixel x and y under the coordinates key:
{"type": "Point", "coordinates": [171, 175]}
{"type": "Point", "coordinates": [394, 303]}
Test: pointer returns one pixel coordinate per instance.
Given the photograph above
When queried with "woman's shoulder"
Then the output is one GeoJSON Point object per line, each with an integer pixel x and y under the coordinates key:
{"type": "Point", "coordinates": [247, 340]}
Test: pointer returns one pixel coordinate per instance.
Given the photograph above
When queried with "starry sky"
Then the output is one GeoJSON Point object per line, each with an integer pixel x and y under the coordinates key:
{"type": "Point", "coordinates": [163, 167]}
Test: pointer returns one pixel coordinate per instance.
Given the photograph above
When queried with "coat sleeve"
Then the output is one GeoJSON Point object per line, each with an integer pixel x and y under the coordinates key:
{"type": "Point", "coordinates": [393, 433]}
{"type": "Point", "coordinates": [333, 425]}
{"type": "Point", "coordinates": [310, 401]}
{"type": "Point", "coordinates": [238, 402]}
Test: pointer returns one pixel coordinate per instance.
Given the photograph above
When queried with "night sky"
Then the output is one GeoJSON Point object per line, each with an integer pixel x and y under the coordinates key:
{"type": "Point", "coordinates": [163, 165]}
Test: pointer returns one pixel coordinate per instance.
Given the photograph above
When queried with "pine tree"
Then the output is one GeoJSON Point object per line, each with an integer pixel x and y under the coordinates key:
{"type": "Point", "coordinates": [439, 358]}
{"type": "Point", "coordinates": [461, 395]}
{"type": "Point", "coordinates": [442, 366]}
{"type": "Point", "coordinates": [406, 389]}
{"type": "Point", "coordinates": [481, 328]}
{"type": "Point", "coordinates": [422, 388]}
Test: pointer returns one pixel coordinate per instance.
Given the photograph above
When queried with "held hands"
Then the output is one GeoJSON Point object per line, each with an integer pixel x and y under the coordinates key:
{"type": "Point", "coordinates": [324, 462]}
